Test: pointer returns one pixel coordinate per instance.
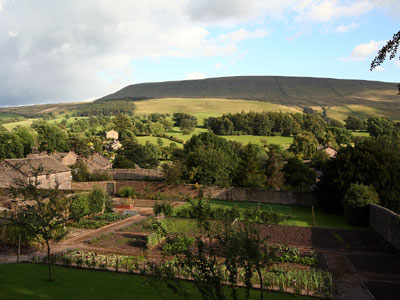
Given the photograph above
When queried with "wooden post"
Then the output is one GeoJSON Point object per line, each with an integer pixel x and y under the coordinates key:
{"type": "Point", "coordinates": [313, 215]}
{"type": "Point", "coordinates": [19, 247]}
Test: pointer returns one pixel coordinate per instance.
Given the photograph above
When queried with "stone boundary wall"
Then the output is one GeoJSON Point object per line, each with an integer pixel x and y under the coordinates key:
{"type": "Point", "coordinates": [136, 174]}
{"type": "Point", "coordinates": [181, 192]}
{"type": "Point", "coordinates": [386, 223]}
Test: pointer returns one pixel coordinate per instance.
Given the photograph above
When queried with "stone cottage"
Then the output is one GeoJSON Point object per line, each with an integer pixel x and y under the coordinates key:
{"type": "Point", "coordinates": [328, 149]}
{"type": "Point", "coordinates": [111, 135]}
{"type": "Point", "coordinates": [50, 172]}
{"type": "Point", "coordinates": [97, 162]}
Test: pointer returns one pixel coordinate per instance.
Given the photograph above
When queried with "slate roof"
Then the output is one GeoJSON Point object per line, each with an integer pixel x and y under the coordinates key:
{"type": "Point", "coordinates": [49, 165]}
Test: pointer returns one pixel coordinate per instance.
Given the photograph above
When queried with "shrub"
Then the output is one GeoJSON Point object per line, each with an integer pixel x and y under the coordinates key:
{"type": "Point", "coordinates": [79, 207]}
{"type": "Point", "coordinates": [163, 208]}
{"type": "Point", "coordinates": [356, 203]}
{"type": "Point", "coordinates": [178, 244]}
{"type": "Point", "coordinates": [97, 200]}
{"type": "Point", "coordinates": [88, 224]}
{"type": "Point", "coordinates": [126, 192]}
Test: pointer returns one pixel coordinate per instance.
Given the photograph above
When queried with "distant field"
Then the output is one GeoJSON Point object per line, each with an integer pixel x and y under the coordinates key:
{"type": "Point", "coordinates": [362, 111]}
{"type": "Point", "coordinates": [360, 133]}
{"type": "Point", "coordinates": [207, 107]}
{"type": "Point", "coordinates": [6, 115]}
{"type": "Point", "coordinates": [25, 123]}
{"type": "Point", "coordinates": [283, 141]}
{"type": "Point", "coordinates": [153, 140]}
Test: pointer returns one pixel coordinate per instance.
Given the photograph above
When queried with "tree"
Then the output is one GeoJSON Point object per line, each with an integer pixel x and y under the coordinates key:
{"type": "Point", "coordinates": [390, 49]}
{"type": "Point", "coordinates": [379, 126]}
{"type": "Point", "coordinates": [353, 123]}
{"type": "Point", "coordinates": [298, 174]}
{"type": "Point", "coordinates": [46, 217]}
{"type": "Point", "coordinates": [250, 172]}
{"type": "Point", "coordinates": [50, 137]}
{"type": "Point", "coordinates": [187, 125]}
{"type": "Point", "coordinates": [304, 144]}
{"type": "Point", "coordinates": [274, 167]}
{"type": "Point", "coordinates": [356, 203]}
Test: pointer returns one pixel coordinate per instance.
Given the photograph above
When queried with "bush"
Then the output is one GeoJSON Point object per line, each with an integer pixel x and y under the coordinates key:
{"type": "Point", "coordinates": [178, 244]}
{"type": "Point", "coordinates": [97, 200]}
{"type": "Point", "coordinates": [110, 217]}
{"type": "Point", "coordinates": [79, 207]}
{"type": "Point", "coordinates": [126, 192]}
{"type": "Point", "coordinates": [163, 208]}
{"type": "Point", "coordinates": [356, 203]}
{"type": "Point", "coordinates": [88, 224]}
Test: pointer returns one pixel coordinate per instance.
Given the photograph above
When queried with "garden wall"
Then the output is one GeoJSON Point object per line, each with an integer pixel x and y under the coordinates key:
{"type": "Point", "coordinates": [149, 189]}
{"type": "Point", "coordinates": [386, 223]}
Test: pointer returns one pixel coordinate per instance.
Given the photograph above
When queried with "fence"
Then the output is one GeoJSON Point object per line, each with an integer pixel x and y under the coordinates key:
{"type": "Point", "coordinates": [386, 223]}
{"type": "Point", "coordinates": [301, 282]}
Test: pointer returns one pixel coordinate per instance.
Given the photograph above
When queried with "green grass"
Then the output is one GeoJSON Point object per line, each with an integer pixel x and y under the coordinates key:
{"type": "Point", "coordinates": [28, 281]}
{"type": "Point", "coordinates": [153, 140]}
{"type": "Point", "coordinates": [299, 215]}
{"type": "Point", "coordinates": [25, 123]}
{"type": "Point", "coordinates": [6, 115]}
{"type": "Point", "coordinates": [361, 133]}
{"type": "Point", "coordinates": [284, 141]}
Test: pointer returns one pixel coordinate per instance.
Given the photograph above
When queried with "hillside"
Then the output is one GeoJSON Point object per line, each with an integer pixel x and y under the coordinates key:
{"type": "Point", "coordinates": [292, 91]}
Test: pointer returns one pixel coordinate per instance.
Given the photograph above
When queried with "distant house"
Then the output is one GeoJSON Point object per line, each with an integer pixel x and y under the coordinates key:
{"type": "Point", "coordinates": [97, 162]}
{"type": "Point", "coordinates": [112, 135]}
{"type": "Point", "coordinates": [328, 149]}
{"type": "Point", "coordinates": [114, 145]}
{"type": "Point", "coordinates": [50, 172]}
{"type": "Point", "coordinates": [66, 158]}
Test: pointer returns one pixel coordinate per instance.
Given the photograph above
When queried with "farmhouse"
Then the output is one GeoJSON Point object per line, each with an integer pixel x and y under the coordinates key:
{"type": "Point", "coordinates": [97, 162]}
{"type": "Point", "coordinates": [328, 149]}
{"type": "Point", "coordinates": [66, 158]}
{"type": "Point", "coordinates": [50, 172]}
{"type": "Point", "coordinates": [112, 135]}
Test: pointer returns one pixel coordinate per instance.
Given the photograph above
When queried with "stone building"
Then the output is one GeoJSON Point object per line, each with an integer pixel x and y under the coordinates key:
{"type": "Point", "coordinates": [66, 158]}
{"type": "Point", "coordinates": [50, 172]}
{"type": "Point", "coordinates": [112, 135]}
{"type": "Point", "coordinates": [97, 162]}
{"type": "Point", "coordinates": [328, 149]}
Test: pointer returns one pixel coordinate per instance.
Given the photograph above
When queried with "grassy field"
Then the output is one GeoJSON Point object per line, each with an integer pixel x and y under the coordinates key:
{"type": "Point", "coordinates": [361, 133]}
{"type": "Point", "coordinates": [298, 215]}
{"type": "Point", "coordinates": [206, 107]}
{"type": "Point", "coordinates": [283, 141]}
{"type": "Point", "coordinates": [28, 281]}
{"type": "Point", "coordinates": [363, 111]}
{"type": "Point", "coordinates": [153, 140]}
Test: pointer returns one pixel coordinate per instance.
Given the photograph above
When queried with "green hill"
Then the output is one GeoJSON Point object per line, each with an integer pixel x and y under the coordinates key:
{"type": "Point", "coordinates": [304, 91]}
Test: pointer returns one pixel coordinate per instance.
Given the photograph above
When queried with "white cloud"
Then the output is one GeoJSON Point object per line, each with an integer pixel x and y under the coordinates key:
{"type": "Point", "coordinates": [347, 28]}
{"type": "Point", "coordinates": [242, 34]}
{"type": "Point", "coordinates": [195, 75]}
{"type": "Point", "coordinates": [363, 51]}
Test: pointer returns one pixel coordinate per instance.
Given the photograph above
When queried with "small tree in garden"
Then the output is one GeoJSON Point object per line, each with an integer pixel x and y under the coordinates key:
{"type": "Point", "coordinates": [44, 216]}
{"type": "Point", "coordinates": [356, 203]}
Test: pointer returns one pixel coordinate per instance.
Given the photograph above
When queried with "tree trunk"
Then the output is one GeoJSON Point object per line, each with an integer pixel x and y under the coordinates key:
{"type": "Point", "coordinates": [49, 261]}
{"type": "Point", "coordinates": [19, 247]}
{"type": "Point", "coordinates": [261, 284]}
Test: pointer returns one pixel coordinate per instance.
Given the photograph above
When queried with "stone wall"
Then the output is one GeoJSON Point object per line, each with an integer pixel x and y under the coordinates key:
{"type": "Point", "coordinates": [107, 186]}
{"type": "Point", "coordinates": [136, 174]}
{"type": "Point", "coordinates": [386, 223]}
{"type": "Point", "coordinates": [149, 189]}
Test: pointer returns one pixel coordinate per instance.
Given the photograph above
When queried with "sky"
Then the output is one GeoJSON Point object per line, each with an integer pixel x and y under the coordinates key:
{"type": "Point", "coordinates": [64, 51]}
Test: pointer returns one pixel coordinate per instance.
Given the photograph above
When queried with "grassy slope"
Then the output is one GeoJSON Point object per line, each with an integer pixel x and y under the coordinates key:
{"type": "Point", "coordinates": [28, 281]}
{"type": "Point", "coordinates": [275, 89]}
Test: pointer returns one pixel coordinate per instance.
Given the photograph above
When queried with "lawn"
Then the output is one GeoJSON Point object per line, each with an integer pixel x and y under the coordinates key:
{"type": "Point", "coordinates": [28, 281]}
{"type": "Point", "coordinates": [298, 215]}
{"type": "Point", "coordinates": [153, 140]}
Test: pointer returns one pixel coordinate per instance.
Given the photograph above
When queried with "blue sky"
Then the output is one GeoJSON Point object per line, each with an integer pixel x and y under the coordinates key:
{"type": "Point", "coordinates": [53, 51]}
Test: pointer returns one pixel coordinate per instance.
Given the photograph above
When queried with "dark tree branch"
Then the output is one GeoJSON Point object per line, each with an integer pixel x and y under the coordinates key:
{"type": "Point", "coordinates": [389, 49]}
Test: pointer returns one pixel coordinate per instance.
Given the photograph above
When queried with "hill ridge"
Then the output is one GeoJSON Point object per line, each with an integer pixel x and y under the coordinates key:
{"type": "Point", "coordinates": [285, 90]}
